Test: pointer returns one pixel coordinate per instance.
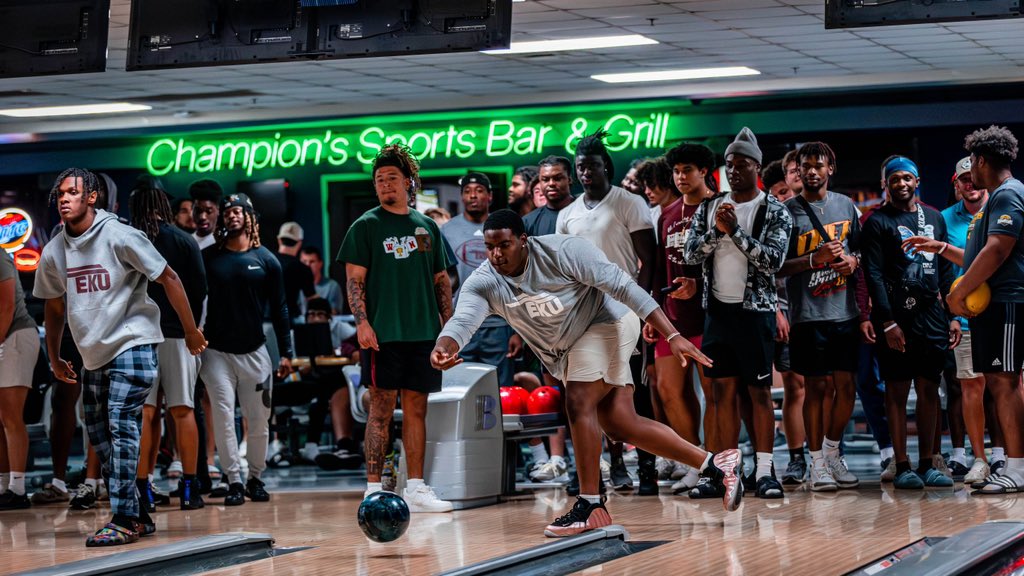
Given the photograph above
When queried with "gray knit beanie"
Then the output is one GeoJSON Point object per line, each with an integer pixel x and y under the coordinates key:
{"type": "Point", "coordinates": [746, 144]}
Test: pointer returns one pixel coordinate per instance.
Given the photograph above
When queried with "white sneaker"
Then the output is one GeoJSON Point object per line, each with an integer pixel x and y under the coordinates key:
{"type": "Point", "coordinates": [939, 463]}
{"type": "Point", "coordinates": [842, 476]}
{"type": "Point", "coordinates": [243, 449]}
{"type": "Point", "coordinates": [664, 466]}
{"type": "Point", "coordinates": [687, 482]}
{"type": "Point", "coordinates": [679, 471]}
{"type": "Point", "coordinates": [549, 470]}
{"type": "Point", "coordinates": [175, 470]}
{"type": "Point", "coordinates": [889, 473]}
{"type": "Point", "coordinates": [606, 470]}
{"type": "Point", "coordinates": [423, 499]}
{"type": "Point", "coordinates": [821, 480]}
{"type": "Point", "coordinates": [309, 453]}
{"type": "Point", "coordinates": [978, 472]}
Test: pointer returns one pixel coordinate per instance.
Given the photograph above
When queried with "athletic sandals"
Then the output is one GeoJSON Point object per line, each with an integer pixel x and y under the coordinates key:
{"type": "Point", "coordinates": [112, 535]}
{"type": "Point", "coordinates": [583, 517]}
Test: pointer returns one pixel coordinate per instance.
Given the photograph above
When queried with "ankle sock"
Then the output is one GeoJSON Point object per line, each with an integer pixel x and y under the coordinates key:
{"type": "Point", "coordinates": [17, 483]}
{"type": "Point", "coordinates": [59, 485]}
{"type": "Point", "coordinates": [591, 499]}
{"type": "Point", "coordinates": [413, 483]}
{"type": "Point", "coordinates": [796, 453]}
{"type": "Point", "coordinates": [540, 453]}
{"type": "Point", "coordinates": [923, 466]}
{"type": "Point", "coordinates": [142, 485]}
{"type": "Point", "coordinates": [92, 482]}
{"type": "Point", "coordinates": [830, 447]}
{"type": "Point", "coordinates": [902, 467]}
{"type": "Point", "coordinates": [123, 521]}
{"type": "Point", "coordinates": [886, 453]}
{"type": "Point", "coordinates": [1014, 464]}
{"type": "Point", "coordinates": [998, 455]}
{"type": "Point", "coordinates": [959, 455]}
{"type": "Point", "coordinates": [310, 447]}
{"type": "Point", "coordinates": [764, 465]}
{"type": "Point", "coordinates": [372, 487]}
{"type": "Point", "coordinates": [707, 461]}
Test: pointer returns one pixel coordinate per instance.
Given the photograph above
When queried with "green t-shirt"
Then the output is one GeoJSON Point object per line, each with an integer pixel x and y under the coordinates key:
{"type": "Point", "coordinates": [401, 253]}
{"type": "Point", "coordinates": [21, 318]}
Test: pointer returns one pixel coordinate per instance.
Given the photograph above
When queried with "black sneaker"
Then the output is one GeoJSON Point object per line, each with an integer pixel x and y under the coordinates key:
{"type": "Point", "coordinates": [749, 482]}
{"type": "Point", "coordinates": [84, 498]}
{"type": "Point", "coordinates": [618, 477]}
{"type": "Point", "coordinates": [707, 488]}
{"type": "Point", "coordinates": [795, 472]}
{"type": "Point", "coordinates": [188, 492]}
{"type": "Point", "coordinates": [648, 477]}
{"type": "Point", "coordinates": [583, 517]}
{"type": "Point", "coordinates": [345, 457]}
{"type": "Point", "coordinates": [159, 498]}
{"type": "Point", "coordinates": [236, 495]}
{"type": "Point", "coordinates": [958, 470]}
{"type": "Point", "coordinates": [255, 491]}
{"type": "Point", "coordinates": [146, 501]}
{"type": "Point", "coordinates": [11, 501]}
{"type": "Point", "coordinates": [573, 487]}
{"type": "Point", "coordinates": [769, 487]}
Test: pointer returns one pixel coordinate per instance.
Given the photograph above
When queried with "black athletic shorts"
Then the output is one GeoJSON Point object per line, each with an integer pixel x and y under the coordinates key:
{"type": "Point", "coordinates": [401, 366]}
{"type": "Point", "coordinates": [994, 343]}
{"type": "Point", "coordinates": [921, 359]}
{"type": "Point", "coordinates": [741, 343]}
{"type": "Point", "coordinates": [821, 348]}
{"type": "Point", "coordinates": [782, 362]}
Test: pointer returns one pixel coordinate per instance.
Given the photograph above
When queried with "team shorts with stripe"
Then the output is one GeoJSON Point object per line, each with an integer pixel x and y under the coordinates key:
{"type": "Point", "coordinates": [401, 366]}
{"type": "Point", "coordinates": [994, 343]}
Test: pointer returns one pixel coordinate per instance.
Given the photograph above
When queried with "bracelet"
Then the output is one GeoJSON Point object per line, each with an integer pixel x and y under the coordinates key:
{"type": "Point", "coordinates": [671, 336]}
{"type": "Point", "coordinates": [893, 325]}
{"type": "Point", "coordinates": [810, 261]}
{"type": "Point", "coordinates": [943, 249]}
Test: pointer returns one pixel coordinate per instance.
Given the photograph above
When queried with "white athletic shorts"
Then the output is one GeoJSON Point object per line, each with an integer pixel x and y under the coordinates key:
{"type": "Point", "coordinates": [603, 352]}
{"type": "Point", "coordinates": [177, 374]}
{"type": "Point", "coordinates": [18, 356]}
{"type": "Point", "coordinates": [964, 363]}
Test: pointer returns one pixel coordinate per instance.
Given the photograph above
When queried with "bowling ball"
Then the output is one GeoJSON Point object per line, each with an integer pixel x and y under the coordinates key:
{"type": "Point", "coordinates": [383, 516]}
{"type": "Point", "coordinates": [543, 400]}
{"type": "Point", "coordinates": [511, 402]}
{"type": "Point", "coordinates": [978, 300]}
{"type": "Point", "coordinates": [524, 395]}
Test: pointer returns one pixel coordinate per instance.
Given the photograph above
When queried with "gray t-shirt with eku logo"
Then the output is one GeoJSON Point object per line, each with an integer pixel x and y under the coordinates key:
{"type": "Point", "coordinates": [568, 286]}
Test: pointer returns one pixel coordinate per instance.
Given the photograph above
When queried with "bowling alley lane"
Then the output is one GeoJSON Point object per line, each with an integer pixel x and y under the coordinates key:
{"type": "Point", "coordinates": [803, 534]}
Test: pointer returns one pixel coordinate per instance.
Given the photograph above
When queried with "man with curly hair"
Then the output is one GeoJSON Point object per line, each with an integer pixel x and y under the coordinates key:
{"type": "Point", "coordinates": [400, 294]}
{"type": "Point", "coordinates": [995, 254]}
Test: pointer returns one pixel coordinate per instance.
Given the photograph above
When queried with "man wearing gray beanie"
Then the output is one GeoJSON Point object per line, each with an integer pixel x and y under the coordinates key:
{"type": "Point", "coordinates": [741, 239]}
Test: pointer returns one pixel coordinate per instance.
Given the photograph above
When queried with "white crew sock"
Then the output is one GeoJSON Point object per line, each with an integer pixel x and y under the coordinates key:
{"type": "Point", "coordinates": [413, 483]}
{"type": "Point", "coordinates": [707, 461]}
{"type": "Point", "coordinates": [59, 485]}
{"type": "Point", "coordinates": [540, 453]}
{"type": "Point", "coordinates": [92, 482]}
{"type": "Point", "coordinates": [1015, 464]}
{"type": "Point", "coordinates": [372, 487]}
{"type": "Point", "coordinates": [830, 447]}
{"type": "Point", "coordinates": [149, 478]}
{"type": "Point", "coordinates": [998, 455]}
{"type": "Point", "coordinates": [5, 481]}
{"type": "Point", "coordinates": [764, 465]}
{"type": "Point", "coordinates": [591, 499]}
{"type": "Point", "coordinates": [17, 483]}
{"type": "Point", "coordinates": [959, 455]}
{"type": "Point", "coordinates": [311, 446]}
{"type": "Point", "coordinates": [886, 453]}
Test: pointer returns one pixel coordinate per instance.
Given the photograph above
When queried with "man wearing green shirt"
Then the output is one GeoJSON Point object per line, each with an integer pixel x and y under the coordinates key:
{"type": "Point", "coordinates": [400, 294]}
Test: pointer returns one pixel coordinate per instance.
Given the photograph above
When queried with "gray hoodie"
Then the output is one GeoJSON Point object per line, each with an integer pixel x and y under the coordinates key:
{"type": "Point", "coordinates": [568, 286]}
{"type": "Point", "coordinates": [104, 272]}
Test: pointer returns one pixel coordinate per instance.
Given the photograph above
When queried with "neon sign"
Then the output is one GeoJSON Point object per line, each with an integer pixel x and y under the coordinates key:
{"type": "Point", "coordinates": [448, 136]}
{"type": "Point", "coordinates": [15, 229]}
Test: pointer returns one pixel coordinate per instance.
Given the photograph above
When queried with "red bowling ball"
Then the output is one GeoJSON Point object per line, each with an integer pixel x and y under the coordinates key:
{"type": "Point", "coordinates": [544, 400]}
{"type": "Point", "coordinates": [511, 401]}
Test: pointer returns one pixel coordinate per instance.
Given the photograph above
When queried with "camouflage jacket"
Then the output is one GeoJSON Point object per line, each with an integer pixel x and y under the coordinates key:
{"type": "Point", "coordinates": [765, 254]}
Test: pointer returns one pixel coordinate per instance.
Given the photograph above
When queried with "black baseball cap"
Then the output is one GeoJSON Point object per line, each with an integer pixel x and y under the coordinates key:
{"type": "Point", "coordinates": [475, 178]}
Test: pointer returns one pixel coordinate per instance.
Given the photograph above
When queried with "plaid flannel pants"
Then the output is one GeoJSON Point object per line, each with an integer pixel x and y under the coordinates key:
{"type": "Point", "coordinates": [113, 397]}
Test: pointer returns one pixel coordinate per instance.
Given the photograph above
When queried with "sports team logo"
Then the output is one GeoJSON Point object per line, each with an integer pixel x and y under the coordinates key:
{"type": "Point", "coordinates": [15, 229]}
{"type": "Point", "coordinates": [1005, 220]}
{"type": "Point", "coordinates": [401, 248]}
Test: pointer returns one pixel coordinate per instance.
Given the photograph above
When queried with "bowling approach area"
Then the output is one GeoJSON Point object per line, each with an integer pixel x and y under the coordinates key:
{"type": "Point", "coordinates": [310, 524]}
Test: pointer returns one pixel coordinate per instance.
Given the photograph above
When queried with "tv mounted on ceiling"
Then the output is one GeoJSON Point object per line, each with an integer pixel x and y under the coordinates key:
{"type": "Point", "coordinates": [181, 33]}
{"type": "Point", "coordinates": [860, 13]}
{"type": "Point", "coordinates": [39, 37]}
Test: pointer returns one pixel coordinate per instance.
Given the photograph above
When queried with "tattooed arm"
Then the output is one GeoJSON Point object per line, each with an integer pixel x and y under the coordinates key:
{"type": "Point", "coordinates": [356, 288]}
{"type": "Point", "coordinates": [443, 294]}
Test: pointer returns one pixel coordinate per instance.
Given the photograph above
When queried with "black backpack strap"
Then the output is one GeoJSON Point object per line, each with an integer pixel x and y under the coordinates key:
{"type": "Point", "coordinates": [759, 218]}
{"type": "Point", "coordinates": [813, 218]}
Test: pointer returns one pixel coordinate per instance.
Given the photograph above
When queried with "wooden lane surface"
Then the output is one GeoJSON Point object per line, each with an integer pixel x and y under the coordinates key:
{"type": "Point", "coordinates": [804, 534]}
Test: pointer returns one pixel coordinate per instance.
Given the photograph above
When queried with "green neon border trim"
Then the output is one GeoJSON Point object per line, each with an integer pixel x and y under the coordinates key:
{"type": "Point", "coordinates": [327, 179]}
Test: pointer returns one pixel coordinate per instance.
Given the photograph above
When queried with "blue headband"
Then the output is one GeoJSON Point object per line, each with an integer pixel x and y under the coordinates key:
{"type": "Point", "coordinates": [900, 164]}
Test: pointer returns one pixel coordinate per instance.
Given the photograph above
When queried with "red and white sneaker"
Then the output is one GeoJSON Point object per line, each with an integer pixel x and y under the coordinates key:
{"type": "Point", "coordinates": [584, 516]}
{"type": "Point", "coordinates": [727, 462]}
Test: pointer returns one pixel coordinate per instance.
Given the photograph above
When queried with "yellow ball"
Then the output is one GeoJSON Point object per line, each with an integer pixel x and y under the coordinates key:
{"type": "Point", "coordinates": [978, 300]}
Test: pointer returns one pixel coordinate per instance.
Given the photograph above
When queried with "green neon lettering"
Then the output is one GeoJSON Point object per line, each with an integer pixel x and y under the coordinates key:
{"type": "Point", "coordinates": [414, 142]}
{"type": "Point", "coordinates": [233, 147]}
{"type": "Point", "coordinates": [257, 164]}
{"type": "Point", "coordinates": [150, 158]}
{"type": "Point", "coordinates": [373, 146]}
{"type": "Point", "coordinates": [206, 158]}
{"type": "Point", "coordinates": [627, 135]}
{"type": "Point", "coordinates": [339, 151]}
{"type": "Point", "coordinates": [307, 144]}
{"type": "Point", "coordinates": [526, 141]}
{"type": "Point", "coordinates": [465, 140]}
{"type": "Point", "coordinates": [182, 149]}
{"type": "Point", "coordinates": [494, 137]}
{"type": "Point", "coordinates": [450, 140]}
{"type": "Point", "coordinates": [544, 131]}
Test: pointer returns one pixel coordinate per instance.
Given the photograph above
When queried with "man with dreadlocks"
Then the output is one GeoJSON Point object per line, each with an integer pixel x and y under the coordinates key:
{"type": "Point", "coordinates": [400, 294]}
{"type": "Point", "coordinates": [244, 279]}
{"type": "Point", "coordinates": [104, 267]}
{"type": "Point", "coordinates": [619, 224]}
{"type": "Point", "coordinates": [824, 341]}
{"type": "Point", "coordinates": [151, 213]}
